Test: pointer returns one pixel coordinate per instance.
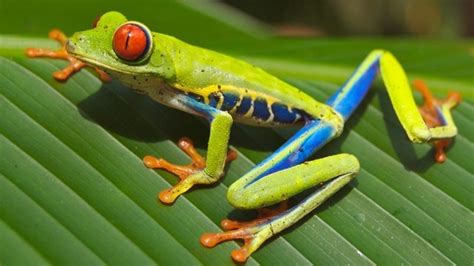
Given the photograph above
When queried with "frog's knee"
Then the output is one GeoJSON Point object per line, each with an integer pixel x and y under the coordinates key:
{"type": "Point", "coordinates": [234, 196]}
{"type": "Point", "coordinates": [239, 199]}
{"type": "Point", "coordinates": [419, 134]}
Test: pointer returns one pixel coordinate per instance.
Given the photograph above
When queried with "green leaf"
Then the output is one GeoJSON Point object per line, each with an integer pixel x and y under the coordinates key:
{"type": "Point", "coordinates": [73, 188]}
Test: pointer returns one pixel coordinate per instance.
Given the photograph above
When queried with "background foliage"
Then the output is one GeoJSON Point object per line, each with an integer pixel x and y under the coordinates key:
{"type": "Point", "coordinates": [74, 190]}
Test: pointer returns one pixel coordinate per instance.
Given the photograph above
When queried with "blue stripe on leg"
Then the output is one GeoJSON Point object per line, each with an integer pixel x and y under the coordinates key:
{"type": "Point", "coordinates": [351, 94]}
{"type": "Point", "coordinates": [297, 149]}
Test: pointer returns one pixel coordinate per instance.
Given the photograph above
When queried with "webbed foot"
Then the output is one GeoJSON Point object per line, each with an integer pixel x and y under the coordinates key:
{"type": "Point", "coordinates": [433, 115]}
{"type": "Point", "coordinates": [254, 232]}
{"type": "Point", "coordinates": [74, 64]}
{"type": "Point", "coordinates": [264, 215]}
{"type": "Point", "coordinates": [189, 175]}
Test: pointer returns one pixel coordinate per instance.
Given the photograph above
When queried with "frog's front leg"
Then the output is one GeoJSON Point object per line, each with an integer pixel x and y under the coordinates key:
{"type": "Point", "coordinates": [200, 171]}
{"type": "Point", "coordinates": [74, 64]}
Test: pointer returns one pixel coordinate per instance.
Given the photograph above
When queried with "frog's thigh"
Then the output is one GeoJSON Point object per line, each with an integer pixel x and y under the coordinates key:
{"type": "Point", "coordinates": [284, 184]}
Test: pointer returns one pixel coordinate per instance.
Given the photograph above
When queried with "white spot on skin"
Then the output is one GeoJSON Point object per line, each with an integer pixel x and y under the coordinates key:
{"type": "Point", "coordinates": [270, 118]}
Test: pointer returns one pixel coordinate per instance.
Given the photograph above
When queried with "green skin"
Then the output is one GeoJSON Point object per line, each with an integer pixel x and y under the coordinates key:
{"type": "Point", "coordinates": [173, 67]}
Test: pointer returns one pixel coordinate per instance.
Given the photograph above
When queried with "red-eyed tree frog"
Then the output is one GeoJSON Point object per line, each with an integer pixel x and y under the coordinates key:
{"type": "Point", "coordinates": [223, 89]}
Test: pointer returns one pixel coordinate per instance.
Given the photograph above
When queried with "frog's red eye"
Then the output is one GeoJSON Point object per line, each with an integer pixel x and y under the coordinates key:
{"type": "Point", "coordinates": [131, 42]}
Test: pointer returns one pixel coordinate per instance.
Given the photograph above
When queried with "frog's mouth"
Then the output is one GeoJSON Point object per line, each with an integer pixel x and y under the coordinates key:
{"type": "Point", "coordinates": [74, 52]}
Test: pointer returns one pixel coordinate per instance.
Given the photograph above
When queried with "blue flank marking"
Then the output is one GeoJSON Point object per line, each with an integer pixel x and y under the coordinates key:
{"type": "Point", "coordinates": [244, 106]}
{"type": "Point", "coordinates": [260, 109]}
{"type": "Point", "coordinates": [282, 114]}
{"type": "Point", "coordinates": [321, 132]}
{"type": "Point", "coordinates": [213, 100]}
{"type": "Point", "coordinates": [230, 100]}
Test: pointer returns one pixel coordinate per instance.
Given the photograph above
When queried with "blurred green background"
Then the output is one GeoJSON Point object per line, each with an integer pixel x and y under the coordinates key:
{"type": "Point", "coordinates": [421, 18]}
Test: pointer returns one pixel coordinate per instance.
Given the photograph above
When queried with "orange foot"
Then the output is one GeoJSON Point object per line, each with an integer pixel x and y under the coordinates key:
{"type": "Point", "coordinates": [74, 64]}
{"type": "Point", "coordinates": [182, 171]}
{"type": "Point", "coordinates": [254, 233]}
{"type": "Point", "coordinates": [433, 118]}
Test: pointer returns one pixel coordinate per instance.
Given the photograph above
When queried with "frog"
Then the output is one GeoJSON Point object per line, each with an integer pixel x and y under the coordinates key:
{"type": "Point", "coordinates": [223, 90]}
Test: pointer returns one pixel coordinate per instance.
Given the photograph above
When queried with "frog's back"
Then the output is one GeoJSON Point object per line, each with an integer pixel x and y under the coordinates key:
{"type": "Point", "coordinates": [250, 94]}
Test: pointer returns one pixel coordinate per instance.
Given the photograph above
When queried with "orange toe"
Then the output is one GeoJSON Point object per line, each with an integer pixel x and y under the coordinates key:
{"type": "Point", "coordinates": [240, 255]}
{"type": "Point", "coordinates": [151, 162]}
{"type": "Point", "coordinates": [432, 117]}
{"type": "Point", "coordinates": [74, 64]}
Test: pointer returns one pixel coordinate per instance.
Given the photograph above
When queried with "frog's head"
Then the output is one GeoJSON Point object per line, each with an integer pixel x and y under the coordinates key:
{"type": "Point", "coordinates": [120, 46]}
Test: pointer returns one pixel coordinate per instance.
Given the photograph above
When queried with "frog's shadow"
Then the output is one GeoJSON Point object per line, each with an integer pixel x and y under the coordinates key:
{"type": "Point", "coordinates": [120, 111]}
{"type": "Point", "coordinates": [125, 113]}
{"type": "Point", "coordinates": [404, 149]}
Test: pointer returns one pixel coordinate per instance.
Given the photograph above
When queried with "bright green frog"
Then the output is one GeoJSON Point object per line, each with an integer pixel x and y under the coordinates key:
{"type": "Point", "coordinates": [223, 90]}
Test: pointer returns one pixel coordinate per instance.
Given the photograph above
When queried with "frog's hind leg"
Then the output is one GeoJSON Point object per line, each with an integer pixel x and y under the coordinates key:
{"type": "Point", "coordinates": [400, 94]}
{"type": "Point", "coordinates": [334, 171]}
{"type": "Point", "coordinates": [430, 123]}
